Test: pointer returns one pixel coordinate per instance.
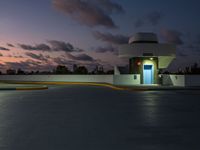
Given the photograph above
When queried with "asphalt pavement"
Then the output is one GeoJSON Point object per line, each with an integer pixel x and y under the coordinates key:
{"type": "Point", "coordinates": [72, 117]}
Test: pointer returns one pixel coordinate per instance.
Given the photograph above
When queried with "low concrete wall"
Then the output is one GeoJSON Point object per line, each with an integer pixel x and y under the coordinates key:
{"type": "Point", "coordinates": [59, 78]}
{"type": "Point", "coordinates": [192, 80]}
{"type": "Point", "coordinates": [181, 80]}
{"type": "Point", "coordinates": [178, 80]}
{"type": "Point", "coordinates": [166, 80]}
{"type": "Point", "coordinates": [126, 80]}
{"type": "Point", "coordinates": [173, 80]}
{"type": "Point", "coordinates": [111, 79]}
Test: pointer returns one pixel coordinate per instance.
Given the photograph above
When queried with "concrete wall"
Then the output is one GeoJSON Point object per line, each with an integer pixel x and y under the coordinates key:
{"type": "Point", "coordinates": [173, 80]}
{"type": "Point", "coordinates": [116, 70]}
{"type": "Point", "coordinates": [126, 80]}
{"type": "Point", "coordinates": [192, 80]}
{"type": "Point", "coordinates": [59, 78]}
{"type": "Point", "coordinates": [111, 79]}
{"type": "Point", "coordinates": [181, 80]}
{"type": "Point", "coordinates": [166, 80]}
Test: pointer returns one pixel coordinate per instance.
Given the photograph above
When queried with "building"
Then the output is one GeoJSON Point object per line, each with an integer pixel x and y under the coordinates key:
{"type": "Point", "coordinates": [147, 57]}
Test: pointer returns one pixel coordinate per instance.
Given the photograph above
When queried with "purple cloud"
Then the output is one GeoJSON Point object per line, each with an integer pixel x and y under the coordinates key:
{"type": "Point", "coordinates": [152, 18]}
{"type": "Point", "coordinates": [10, 45]}
{"type": "Point", "coordinates": [106, 49]}
{"type": "Point", "coordinates": [4, 49]}
{"type": "Point", "coordinates": [91, 13]}
{"type": "Point", "coordinates": [172, 36]}
{"type": "Point", "coordinates": [39, 57]}
{"type": "Point", "coordinates": [81, 57]}
{"type": "Point", "coordinates": [38, 47]}
{"type": "Point", "coordinates": [61, 46]}
{"type": "Point", "coordinates": [110, 38]}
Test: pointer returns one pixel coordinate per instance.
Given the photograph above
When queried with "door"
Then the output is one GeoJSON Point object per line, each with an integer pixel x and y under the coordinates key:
{"type": "Point", "coordinates": [148, 74]}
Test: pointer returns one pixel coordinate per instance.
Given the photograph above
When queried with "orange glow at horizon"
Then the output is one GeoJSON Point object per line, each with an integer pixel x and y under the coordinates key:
{"type": "Point", "coordinates": [11, 59]}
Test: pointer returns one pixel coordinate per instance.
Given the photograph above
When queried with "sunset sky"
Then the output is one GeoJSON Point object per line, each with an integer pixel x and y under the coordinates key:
{"type": "Point", "coordinates": [40, 34]}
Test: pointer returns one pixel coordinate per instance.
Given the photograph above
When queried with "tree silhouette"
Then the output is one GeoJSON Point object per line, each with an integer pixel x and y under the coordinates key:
{"type": "Point", "coordinates": [11, 72]}
{"type": "Point", "coordinates": [62, 70]}
{"type": "Point", "coordinates": [20, 72]}
{"type": "Point", "coordinates": [81, 70]}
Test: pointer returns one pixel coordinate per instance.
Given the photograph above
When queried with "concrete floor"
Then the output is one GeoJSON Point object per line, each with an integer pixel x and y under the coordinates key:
{"type": "Point", "coordinates": [98, 118]}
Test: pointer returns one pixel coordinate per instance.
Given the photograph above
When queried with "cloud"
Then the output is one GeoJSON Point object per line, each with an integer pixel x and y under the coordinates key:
{"type": "Point", "coordinates": [14, 56]}
{"type": "Point", "coordinates": [38, 47]}
{"type": "Point", "coordinates": [193, 48]}
{"type": "Point", "coordinates": [39, 57]}
{"type": "Point", "coordinates": [10, 45]}
{"type": "Point", "coordinates": [84, 57]}
{"type": "Point", "coordinates": [81, 57]}
{"type": "Point", "coordinates": [26, 65]}
{"type": "Point", "coordinates": [197, 39]}
{"type": "Point", "coordinates": [4, 49]}
{"type": "Point", "coordinates": [152, 18]}
{"type": "Point", "coordinates": [110, 38]}
{"type": "Point", "coordinates": [43, 47]}
{"type": "Point", "coordinates": [106, 49]}
{"type": "Point", "coordinates": [29, 65]}
{"type": "Point", "coordinates": [64, 61]}
{"type": "Point", "coordinates": [110, 6]}
{"type": "Point", "coordinates": [139, 23]}
{"type": "Point", "coordinates": [91, 13]}
{"type": "Point", "coordinates": [61, 46]}
{"type": "Point", "coordinates": [172, 36]}
{"type": "Point", "coordinates": [181, 54]}
{"type": "Point", "coordinates": [53, 45]}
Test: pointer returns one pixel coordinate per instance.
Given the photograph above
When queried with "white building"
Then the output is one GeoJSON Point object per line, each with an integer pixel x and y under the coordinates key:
{"type": "Point", "coordinates": [147, 56]}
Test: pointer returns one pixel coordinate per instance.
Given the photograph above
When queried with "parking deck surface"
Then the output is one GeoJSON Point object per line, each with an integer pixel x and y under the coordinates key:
{"type": "Point", "coordinates": [76, 117]}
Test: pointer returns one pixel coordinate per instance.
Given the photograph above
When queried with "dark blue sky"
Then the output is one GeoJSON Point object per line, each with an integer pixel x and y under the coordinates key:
{"type": "Point", "coordinates": [43, 33]}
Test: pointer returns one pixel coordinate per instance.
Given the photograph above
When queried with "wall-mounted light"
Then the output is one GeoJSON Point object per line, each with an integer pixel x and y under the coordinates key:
{"type": "Point", "coordinates": [151, 58]}
{"type": "Point", "coordinates": [138, 63]}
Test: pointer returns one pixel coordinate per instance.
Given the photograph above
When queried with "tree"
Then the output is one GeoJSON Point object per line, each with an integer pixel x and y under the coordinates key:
{"type": "Point", "coordinates": [195, 69]}
{"type": "Point", "coordinates": [20, 72]}
{"type": "Point", "coordinates": [101, 70]}
{"type": "Point", "coordinates": [11, 72]}
{"type": "Point", "coordinates": [98, 70]}
{"type": "Point", "coordinates": [187, 70]}
{"type": "Point", "coordinates": [75, 67]}
{"type": "Point", "coordinates": [62, 70]}
{"type": "Point", "coordinates": [110, 72]}
{"type": "Point", "coordinates": [81, 70]}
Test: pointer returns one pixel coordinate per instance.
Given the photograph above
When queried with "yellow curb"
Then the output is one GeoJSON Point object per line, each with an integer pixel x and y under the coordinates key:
{"type": "Point", "coordinates": [74, 83]}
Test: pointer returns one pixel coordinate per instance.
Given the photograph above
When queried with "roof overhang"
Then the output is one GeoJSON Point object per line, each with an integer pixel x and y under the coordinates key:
{"type": "Point", "coordinates": [165, 52]}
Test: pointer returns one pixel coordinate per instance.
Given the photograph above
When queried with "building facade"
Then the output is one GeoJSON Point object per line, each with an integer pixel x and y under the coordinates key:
{"type": "Point", "coordinates": [147, 57]}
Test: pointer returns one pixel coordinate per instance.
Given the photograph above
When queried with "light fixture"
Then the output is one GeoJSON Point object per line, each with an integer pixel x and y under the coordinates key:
{"type": "Point", "coordinates": [151, 58]}
{"type": "Point", "coordinates": [138, 63]}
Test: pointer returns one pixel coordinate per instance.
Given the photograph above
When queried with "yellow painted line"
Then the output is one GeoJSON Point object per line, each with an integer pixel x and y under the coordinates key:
{"type": "Point", "coordinates": [31, 88]}
{"type": "Point", "coordinates": [75, 83]}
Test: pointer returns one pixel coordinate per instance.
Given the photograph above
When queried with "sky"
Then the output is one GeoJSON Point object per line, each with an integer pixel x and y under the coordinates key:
{"type": "Point", "coordinates": [41, 34]}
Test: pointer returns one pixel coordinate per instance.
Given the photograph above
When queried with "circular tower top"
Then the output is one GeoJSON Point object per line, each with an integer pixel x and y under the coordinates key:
{"type": "Point", "coordinates": [143, 38]}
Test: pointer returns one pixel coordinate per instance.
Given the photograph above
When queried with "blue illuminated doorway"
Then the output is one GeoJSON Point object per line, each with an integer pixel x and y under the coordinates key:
{"type": "Point", "coordinates": [148, 74]}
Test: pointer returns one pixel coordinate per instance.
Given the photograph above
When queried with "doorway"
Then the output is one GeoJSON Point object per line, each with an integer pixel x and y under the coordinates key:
{"type": "Point", "coordinates": [148, 74]}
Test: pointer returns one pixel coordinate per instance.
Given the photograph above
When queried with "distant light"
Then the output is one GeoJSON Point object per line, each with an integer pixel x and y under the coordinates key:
{"type": "Point", "coordinates": [151, 58]}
